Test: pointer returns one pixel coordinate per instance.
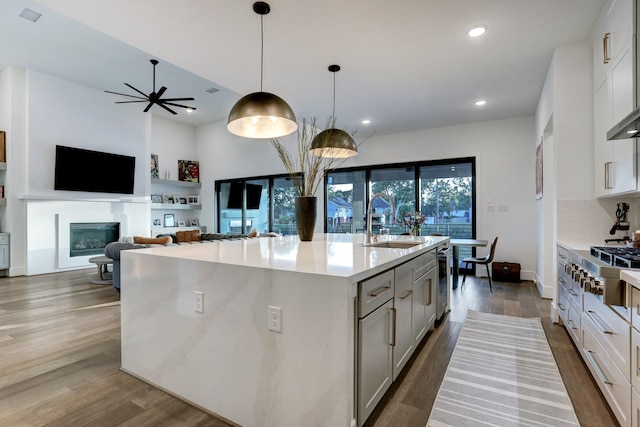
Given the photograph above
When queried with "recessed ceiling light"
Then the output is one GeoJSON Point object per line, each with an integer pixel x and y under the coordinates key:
{"type": "Point", "coordinates": [632, 131]}
{"type": "Point", "coordinates": [189, 110]}
{"type": "Point", "coordinates": [366, 121]}
{"type": "Point", "coordinates": [30, 15]}
{"type": "Point", "coordinates": [477, 31]}
{"type": "Point", "coordinates": [480, 102]}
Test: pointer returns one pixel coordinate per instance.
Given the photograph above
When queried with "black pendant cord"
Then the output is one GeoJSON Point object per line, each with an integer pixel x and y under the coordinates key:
{"type": "Point", "coordinates": [154, 62]}
{"type": "Point", "coordinates": [333, 112]}
{"type": "Point", "coordinates": [261, 50]}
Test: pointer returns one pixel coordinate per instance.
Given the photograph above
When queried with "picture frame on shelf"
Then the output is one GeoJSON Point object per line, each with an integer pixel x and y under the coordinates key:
{"type": "Point", "coordinates": [194, 222]}
{"type": "Point", "coordinates": [193, 199]}
{"type": "Point", "coordinates": [157, 222]}
{"type": "Point", "coordinates": [181, 224]}
{"type": "Point", "coordinates": [167, 198]}
{"type": "Point", "coordinates": [169, 220]}
{"type": "Point", "coordinates": [156, 198]}
{"type": "Point", "coordinates": [155, 173]}
{"type": "Point", "coordinates": [176, 199]}
{"type": "Point", "coordinates": [188, 170]}
{"type": "Point", "coordinates": [183, 200]}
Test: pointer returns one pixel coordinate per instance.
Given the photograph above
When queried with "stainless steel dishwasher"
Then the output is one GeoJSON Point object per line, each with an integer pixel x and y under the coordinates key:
{"type": "Point", "coordinates": [444, 277]}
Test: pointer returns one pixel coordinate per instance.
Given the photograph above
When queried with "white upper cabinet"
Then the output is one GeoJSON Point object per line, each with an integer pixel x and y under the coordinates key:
{"type": "Point", "coordinates": [613, 77]}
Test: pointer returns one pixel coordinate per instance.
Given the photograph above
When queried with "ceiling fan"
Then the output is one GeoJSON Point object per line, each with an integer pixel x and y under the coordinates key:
{"type": "Point", "coordinates": [154, 97]}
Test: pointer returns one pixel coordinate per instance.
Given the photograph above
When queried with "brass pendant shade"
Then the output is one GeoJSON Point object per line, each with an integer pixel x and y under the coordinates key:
{"type": "Point", "coordinates": [333, 142]}
{"type": "Point", "coordinates": [261, 114]}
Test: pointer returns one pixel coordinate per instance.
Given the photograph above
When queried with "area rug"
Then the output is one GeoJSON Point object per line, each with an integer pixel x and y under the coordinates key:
{"type": "Point", "coordinates": [502, 373]}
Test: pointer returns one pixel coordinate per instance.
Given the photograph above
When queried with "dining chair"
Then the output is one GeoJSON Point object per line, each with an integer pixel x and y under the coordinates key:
{"type": "Point", "coordinates": [479, 261]}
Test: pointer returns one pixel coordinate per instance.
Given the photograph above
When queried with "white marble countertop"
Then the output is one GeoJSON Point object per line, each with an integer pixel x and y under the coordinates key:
{"type": "Point", "coordinates": [632, 277]}
{"type": "Point", "coordinates": [340, 255]}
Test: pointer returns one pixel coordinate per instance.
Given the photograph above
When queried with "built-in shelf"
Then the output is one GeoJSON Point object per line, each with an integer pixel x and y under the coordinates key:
{"type": "Point", "coordinates": [174, 206]}
{"type": "Point", "coordinates": [175, 183]}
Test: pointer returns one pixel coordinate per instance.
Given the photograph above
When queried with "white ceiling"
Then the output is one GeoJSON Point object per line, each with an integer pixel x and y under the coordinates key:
{"type": "Point", "coordinates": [406, 64]}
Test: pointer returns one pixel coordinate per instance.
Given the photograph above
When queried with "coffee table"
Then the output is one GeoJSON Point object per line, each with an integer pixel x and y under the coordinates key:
{"type": "Point", "coordinates": [104, 276]}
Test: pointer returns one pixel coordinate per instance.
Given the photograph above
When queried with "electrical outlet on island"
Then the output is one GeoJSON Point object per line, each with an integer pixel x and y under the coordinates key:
{"type": "Point", "coordinates": [275, 318]}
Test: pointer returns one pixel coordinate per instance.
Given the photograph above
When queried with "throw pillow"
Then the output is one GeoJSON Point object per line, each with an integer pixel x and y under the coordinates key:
{"type": "Point", "coordinates": [152, 240]}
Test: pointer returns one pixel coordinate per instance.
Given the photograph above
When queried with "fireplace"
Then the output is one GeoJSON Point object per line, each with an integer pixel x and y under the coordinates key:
{"type": "Point", "coordinates": [90, 238]}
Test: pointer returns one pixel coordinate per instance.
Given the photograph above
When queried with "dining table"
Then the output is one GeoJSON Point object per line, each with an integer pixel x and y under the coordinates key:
{"type": "Point", "coordinates": [455, 255]}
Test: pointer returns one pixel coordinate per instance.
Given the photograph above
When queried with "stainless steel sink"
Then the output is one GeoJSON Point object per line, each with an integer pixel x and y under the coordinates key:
{"type": "Point", "coordinates": [393, 244]}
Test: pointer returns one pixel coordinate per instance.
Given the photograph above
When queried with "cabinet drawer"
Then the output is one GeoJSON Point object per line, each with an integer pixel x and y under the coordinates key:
{"type": "Point", "coordinates": [635, 307]}
{"type": "Point", "coordinates": [635, 358]}
{"type": "Point", "coordinates": [614, 386]}
{"type": "Point", "coordinates": [635, 408]}
{"type": "Point", "coordinates": [374, 292]}
{"type": "Point", "coordinates": [611, 331]}
{"type": "Point", "coordinates": [573, 324]}
{"type": "Point", "coordinates": [424, 263]}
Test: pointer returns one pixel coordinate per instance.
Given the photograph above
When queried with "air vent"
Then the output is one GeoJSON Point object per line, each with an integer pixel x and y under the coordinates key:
{"type": "Point", "coordinates": [212, 90]}
{"type": "Point", "coordinates": [30, 15]}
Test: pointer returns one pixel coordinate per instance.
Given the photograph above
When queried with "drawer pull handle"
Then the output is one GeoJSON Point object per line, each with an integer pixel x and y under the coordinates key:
{"type": "Point", "coordinates": [605, 48]}
{"type": "Point", "coordinates": [560, 306]}
{"type": "Point", "coordinates": [393, 328]}
{"type": "Point", "coordinates": [406, 295]}
{"type": "Point", "coordinates": [572, 325]}
{"type": "Point", "coordinates": [379, 291]}
{"type": "Point", "coordinates": [599, 370]}
{"type": "Point", "coordinates": [593, 316]}
{"type": "Point", "coordinates": [573, 293]}
{"type": "Point", "coordinates": [429, 293]}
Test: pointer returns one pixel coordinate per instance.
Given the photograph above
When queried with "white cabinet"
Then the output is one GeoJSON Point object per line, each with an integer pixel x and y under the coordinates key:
{"type": "Point", "coordinates": [4, 251]}
{"type": "Point", "coordinates": [375, 341]}
{"type": "Point", "coordinates": [613, 75]}
{"type": "Point", "coordinates": [403, 307]}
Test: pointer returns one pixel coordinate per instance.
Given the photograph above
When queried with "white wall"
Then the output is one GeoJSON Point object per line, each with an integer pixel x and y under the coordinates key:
{"type": "Point", "coordinates": [504, 161]}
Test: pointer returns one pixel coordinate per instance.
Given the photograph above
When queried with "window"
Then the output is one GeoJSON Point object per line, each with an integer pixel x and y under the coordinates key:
{"type": "Point", "coordinates": [346, 202]}
{"type": "Point", "coordinates": [284, 214]}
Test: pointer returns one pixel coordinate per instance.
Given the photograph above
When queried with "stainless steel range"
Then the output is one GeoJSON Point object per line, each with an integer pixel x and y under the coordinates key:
{"type": "Point", "coordinates": [597, 272]}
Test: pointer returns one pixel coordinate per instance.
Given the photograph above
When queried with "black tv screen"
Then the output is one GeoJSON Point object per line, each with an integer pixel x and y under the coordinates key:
{"type": "Point", "coordinates": [93, 171]}
{"type": "Point", "coordinates": [254, 193]}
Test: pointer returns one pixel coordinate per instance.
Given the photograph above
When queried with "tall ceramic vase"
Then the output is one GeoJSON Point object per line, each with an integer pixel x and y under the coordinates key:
{"type": "Point", "coordinates": [306, 210]}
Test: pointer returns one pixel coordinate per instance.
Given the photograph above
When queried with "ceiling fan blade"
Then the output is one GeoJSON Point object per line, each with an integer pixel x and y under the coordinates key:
{"type": "Point", "coordinates": [167, 108]}
{"type": "Point", "coordinates": [148, 106]}
{"type": "Point", "coordinates": [129, 102]}
{"type": "Point", "coordinates": [178, 99]}
{"type": "Point", "coordinates": [177, 105]}
{"type": "Point", "coordinates": [124, 94]}
{"type": "Point", "coordinates": [161, 91]}
{"type": "Point", "coordinates": [141, 93]}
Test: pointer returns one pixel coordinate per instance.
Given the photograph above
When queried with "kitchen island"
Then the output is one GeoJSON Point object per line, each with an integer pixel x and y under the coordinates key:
{"type": "Point", "coordinates": [225, 359]}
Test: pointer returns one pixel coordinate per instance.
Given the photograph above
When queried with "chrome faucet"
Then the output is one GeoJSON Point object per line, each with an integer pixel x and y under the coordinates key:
{"type": "Point", "coordinates": [369, 209]}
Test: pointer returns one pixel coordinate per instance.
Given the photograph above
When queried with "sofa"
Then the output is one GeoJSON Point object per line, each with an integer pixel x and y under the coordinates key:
{"type": "Point", "coordinates": [113, 249]}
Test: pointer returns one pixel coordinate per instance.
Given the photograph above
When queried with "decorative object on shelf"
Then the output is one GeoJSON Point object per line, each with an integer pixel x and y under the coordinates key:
{"type": "Point", "coordinates": [157, 222]}
{"type": "Point", "coordinates": [3, 146]}
{"type": "Point", "coordinates": [167, 174]}
{"type": "Point", "coordinates": [413, 221]}
{"type": "Point", "coordinates": [334, 142]}
{"type": "Point", "coordinates": [156, 198]}
{"type": "Point", "coordinates": [261, 114]}
{"type": "Point", "coordinates": [169, 220]}
{"type": "Point", "coordinates": [194, 222]}
{"type": "Point", "coordinates": [155, 173]}
{"type": "Point", "coordinates": [167, 198]}
{"type": "Point", "coordinates": [193, 200]}
{"type": "Point", "coordinates": [188, 170]}
{"type": "Point", "coordinates": [183, 200]}
{"type": "Point", "coordinates": [306, 172]}
{"type": "Point", "coordinates": [176, 199]}
{"type": "Point", "coordinates": [181, 223]}
{"type": "Point", "coordinates": [154, 97]}
{"type": "Point", "coordinates": [2, 191]}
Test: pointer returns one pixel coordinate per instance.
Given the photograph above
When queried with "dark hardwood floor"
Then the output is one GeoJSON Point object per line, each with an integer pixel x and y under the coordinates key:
{"type": "Point", "coordinates": [60, 359]}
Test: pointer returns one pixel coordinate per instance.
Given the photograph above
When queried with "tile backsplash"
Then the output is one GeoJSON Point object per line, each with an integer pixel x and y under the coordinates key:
{"type": "Point", "coordinates": [589, 221]}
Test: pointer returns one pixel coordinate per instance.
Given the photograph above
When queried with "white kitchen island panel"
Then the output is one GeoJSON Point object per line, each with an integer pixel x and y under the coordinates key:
{"type": "Point", "coordinates": [225, 359]}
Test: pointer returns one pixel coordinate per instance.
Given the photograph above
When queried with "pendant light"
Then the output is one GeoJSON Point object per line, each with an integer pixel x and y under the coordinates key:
{"type": "Point", "coordinates": [261, 114]}
{"type": "Point", "coordinates": [334, 142]}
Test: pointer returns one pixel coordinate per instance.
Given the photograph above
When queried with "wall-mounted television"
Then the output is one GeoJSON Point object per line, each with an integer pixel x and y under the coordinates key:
{"type": "Point", "coordinates": [77, 169]}
{"type": "Point", "coordinates": [254, 193]}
